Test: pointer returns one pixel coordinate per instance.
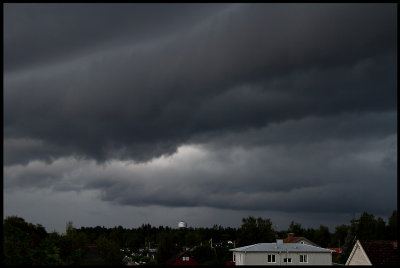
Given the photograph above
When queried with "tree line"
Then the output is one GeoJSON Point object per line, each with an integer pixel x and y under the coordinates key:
{"type": "Point", "coordinates": [26, 243]}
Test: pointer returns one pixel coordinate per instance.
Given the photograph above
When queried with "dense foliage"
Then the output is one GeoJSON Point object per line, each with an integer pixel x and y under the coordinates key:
{"type": "Point", "coordinates": [28, 244]}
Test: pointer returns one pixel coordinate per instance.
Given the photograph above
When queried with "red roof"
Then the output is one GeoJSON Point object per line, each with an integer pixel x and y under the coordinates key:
{"type": "Point", "coordinates": [185, 259]}
{"type": "Point", "coordinates": [292, 239]}
{"type": "Point", "coordinates": [295, 239]}
{"type": "Point", "coordinates": [381, 252]}
{"type": "Point", "coordinates": [338, 250]}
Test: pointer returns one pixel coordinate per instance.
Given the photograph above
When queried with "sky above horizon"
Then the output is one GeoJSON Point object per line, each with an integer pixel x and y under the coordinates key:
{"type": "Point", "coordinates": [124, 114]}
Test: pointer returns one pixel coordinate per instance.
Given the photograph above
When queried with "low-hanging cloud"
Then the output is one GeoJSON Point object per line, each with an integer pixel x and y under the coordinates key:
{"type": "Point", "coordinates": [306, 175]}
{"type": "Point", "coordinates": [227, 75]}
{"type": "Point", "coordinates": [290, 108]}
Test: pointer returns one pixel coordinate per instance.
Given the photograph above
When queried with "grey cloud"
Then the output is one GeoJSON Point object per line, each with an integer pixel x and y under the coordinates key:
{"type": "Point", "coordinates": [146, 101]}
{"type": "Point", "coordinates": [309, 130]}
{"type": "Point", "coordinates": [305, 176]}
{"type": "Point", "coordinates": [86, 211]}
{"type": "Point", "coordinates": [57, 31]}
{"type": "Point", "coordinates": [236, 109]}
{"type": "Point", "coordinates": [145, 125]}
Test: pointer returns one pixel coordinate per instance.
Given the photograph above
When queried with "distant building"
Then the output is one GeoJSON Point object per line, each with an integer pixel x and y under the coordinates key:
{"type": "Point", "coordinates": [150, 252]}
{"type": "Point", "coordinates": [281, 254]}
{"type": "Point", "coordinates": [381, 252]}
{"type": "Point", "coordinates": [337, 252]}
{"type": "Point", "coordinates": [182, 258]}
{"type": "Point", "coordinates": [182, 225]}
{"type": "Point", "coordinates": [298, 239]}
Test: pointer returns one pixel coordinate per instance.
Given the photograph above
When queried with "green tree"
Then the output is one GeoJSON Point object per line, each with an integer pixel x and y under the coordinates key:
{"type": "Point", "coordinates": [109, 251]}
{"type": "Point", "coordinates": [17, 243]}
{"type": "Point", "coordinates": [73, 245]}
{"type": "Point", "coordinates": [266, 234]}
{"type": "Point", "coordinates": [296, 229]}
{"type": "Point", "coordinates": [322, 236]}
{"type": "Point", "coordinates": [134, 241]}
{"type": "Point", "coordinates": [28, 244]}
{"type": "Point", "coordinates": [256, 231]}
{"type": "Point", "coordinates": [349, 241]}
{"type": "Point", "coordinates": [365, 227]}
{"type": "Point", "coordinates": [203, 253]}
{"type": "Point", "coordinates": [339, 236]}
{"type": "Point", "coordinates": [392, 226]}
{"type": "Point", "coordinates": [166, 247]}
{"type": "Point", "coordinates": [117, 235]}
{"type": "Point", "coordinates": [192, 238]}
{"type": "Point", "coordinates": [309, 233]}
{"type": "Point", "coordinates": [50, 250]}
{"type": "Point", "coordinates": [380, 229]}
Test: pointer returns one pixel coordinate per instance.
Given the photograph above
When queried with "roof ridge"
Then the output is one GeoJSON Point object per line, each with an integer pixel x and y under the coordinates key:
{"type": "Point", "coordinates": [284, 246]}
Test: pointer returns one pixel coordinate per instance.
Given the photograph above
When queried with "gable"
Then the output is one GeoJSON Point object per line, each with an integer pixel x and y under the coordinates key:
{"type": "Point", "coordinates": [305, 241]}
{"type": "Point", "coordinates": [358, 256]}
{"type": "Point", "coordinates": [185, 259]}
{"type": "Point", "coordinates": [299, 239]}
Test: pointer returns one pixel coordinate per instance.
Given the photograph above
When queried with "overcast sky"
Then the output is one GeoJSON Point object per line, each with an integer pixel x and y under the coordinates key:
{"type": "Point", "coordinates": [124, 114]}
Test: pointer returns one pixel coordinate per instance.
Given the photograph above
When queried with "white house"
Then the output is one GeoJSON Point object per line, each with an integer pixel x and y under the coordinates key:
{"type": "Point", "coordinates": [381, 252]}
{"type": "Point", "coordinates": [281, 254]}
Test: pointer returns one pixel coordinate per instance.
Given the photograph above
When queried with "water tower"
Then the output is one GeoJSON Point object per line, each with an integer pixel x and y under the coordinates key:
{"type": "Point", "coordinates": [182, 225]}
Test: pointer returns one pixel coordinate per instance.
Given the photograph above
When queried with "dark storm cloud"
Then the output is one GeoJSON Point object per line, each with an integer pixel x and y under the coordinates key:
{"type": "Point", "coordinates": [263, 107]}
{"type": "Point", "coordinates": [323, 177]}
{"type": "Point", "coordinates": [309, 130]}
{"type": "Point", "coordinates": [288, 166]}
{"type": "Point", "coordinates": [243, 67]}
{"type": "Point", "coordinates": [303, 177]}
{"type": "Point", "coordinates": [57, 31]}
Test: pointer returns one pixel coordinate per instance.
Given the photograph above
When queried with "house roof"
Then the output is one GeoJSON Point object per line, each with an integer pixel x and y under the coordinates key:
{"type": "Point", "coordinates": [295, 239]}
{"type": "Point", "coordinates": [381, 252]}
{"type": "Point", "coordinates": [280, 247]}
{"type": "Point", "coordinates": [177, 256]}
{"type": "Point", "coordinates": [292, 239]}
{"type": "Point", "coordinates": [338, 250]}
{"type": "Point", "coordinates": [174, 257]}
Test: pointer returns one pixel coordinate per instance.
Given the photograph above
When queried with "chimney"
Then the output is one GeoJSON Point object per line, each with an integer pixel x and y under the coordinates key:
{"type": "Point", "coordinates": [290, 235]}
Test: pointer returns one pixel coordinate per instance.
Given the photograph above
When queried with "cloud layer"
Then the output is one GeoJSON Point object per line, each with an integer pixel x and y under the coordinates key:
{"type": "Point", "coordinates": [262, 107]}
{"type": "Point", "coordinates": [246, 67]}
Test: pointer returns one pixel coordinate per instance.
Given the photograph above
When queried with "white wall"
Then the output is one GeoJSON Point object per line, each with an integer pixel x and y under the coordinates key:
{"type": "Point", "coordinates": [260, 258]}
{"type": "Point", "coordinates": [359, 258]}
{"type": "Point", "coordinates": [239, 258]}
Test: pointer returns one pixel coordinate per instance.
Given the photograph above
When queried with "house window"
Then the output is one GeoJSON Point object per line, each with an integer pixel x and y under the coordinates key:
{"type": "Point", "coordinates": [301, 242]}
{"type": "Point", "coordinates": [304, 258]}
{"type": "Point", "coordinates": [271, 258]}
{"type": "Point", "coordinates": [234, 257]}
{"type": "Point", "coordinates": [288, 260]}
{"type": "Point", "coordinates": [185, 258]}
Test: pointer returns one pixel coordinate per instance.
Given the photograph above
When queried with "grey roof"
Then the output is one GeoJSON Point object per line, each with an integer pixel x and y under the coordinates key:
{"type": "Point", "coordinates": [278, 247]}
